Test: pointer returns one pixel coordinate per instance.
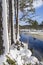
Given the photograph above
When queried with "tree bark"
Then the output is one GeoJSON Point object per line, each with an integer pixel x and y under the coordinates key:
{"type": "Point", "coordinates": [16, 19]}
{"type": "Point", "coordinates": [10, 20]}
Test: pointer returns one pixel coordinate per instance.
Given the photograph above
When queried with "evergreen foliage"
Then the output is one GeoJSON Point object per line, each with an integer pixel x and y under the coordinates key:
{"type": "Point", "coordinates": [26, 7]}
{"type": "Point", "coordinates": [10, 61]}
{"type": "Point", "coordinates": [27, 64]}
{"type": "Point", "coordinates": [4, 63]}
{"type": "Point", "coordinates": [35, 24]}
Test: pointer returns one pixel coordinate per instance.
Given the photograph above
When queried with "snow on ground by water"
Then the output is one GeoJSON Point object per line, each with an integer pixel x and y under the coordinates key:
{"type": "Point", "coordinates": [21, 56]}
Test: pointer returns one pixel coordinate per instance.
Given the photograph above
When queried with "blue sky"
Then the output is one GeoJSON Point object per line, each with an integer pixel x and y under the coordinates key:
{"type": "Point", "coordinates": [39, 12]}
{"type": "Point", "coordinates": [38, 5]}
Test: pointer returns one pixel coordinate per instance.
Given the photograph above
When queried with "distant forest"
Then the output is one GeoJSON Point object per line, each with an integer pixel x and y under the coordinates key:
{"type": "Point", "coordinates": [30, 27]}
{"type": "Point", "coordinates": [33, 25]}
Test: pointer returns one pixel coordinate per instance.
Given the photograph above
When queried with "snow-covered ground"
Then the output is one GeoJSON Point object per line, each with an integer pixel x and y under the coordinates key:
{"type": "Point", "coordinates": [22, 56]}
{"type": "Point", "coordinates": [2, 59]}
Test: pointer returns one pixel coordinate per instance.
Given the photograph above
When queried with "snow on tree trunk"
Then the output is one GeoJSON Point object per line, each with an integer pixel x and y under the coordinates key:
{"type": "Point", "coordinates": [13, 20]}
{"type": "Point", "coordinates": [17, 23]}
{"type": "Point", "coordinates": [5, 26]}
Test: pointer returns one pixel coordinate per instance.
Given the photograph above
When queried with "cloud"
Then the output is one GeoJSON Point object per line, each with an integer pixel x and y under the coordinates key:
{"type": "Point", "coordinates": [37, 3]}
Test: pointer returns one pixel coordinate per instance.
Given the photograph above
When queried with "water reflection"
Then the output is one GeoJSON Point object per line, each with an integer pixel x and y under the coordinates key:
{"type": "Point", "coordinates": [33, 43]}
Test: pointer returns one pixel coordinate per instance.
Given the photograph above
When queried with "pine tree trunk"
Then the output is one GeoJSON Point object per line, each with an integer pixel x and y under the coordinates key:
{"type": "Point", "coordinates": [1, 30]}
{"type": "Point", "coordinates": [13, 21]}
{"type": "Point", "coordinates": [10, 20]}
{"type": "Point", "coordinates": [15, 14]}
{"type": "Point", "coordinates": [17, 21]}
{"type": "Point", "coordinates": [17, 26]}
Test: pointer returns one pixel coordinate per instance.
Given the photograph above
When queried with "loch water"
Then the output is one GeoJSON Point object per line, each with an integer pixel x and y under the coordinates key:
{"type": "Point", "coordinates": [33, 43]}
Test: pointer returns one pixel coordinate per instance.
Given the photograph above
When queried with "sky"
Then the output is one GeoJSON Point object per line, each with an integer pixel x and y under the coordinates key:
{"type": "Point", "coordinates": [38, 11]}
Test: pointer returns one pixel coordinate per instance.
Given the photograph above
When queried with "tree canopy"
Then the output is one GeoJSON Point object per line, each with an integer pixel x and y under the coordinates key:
{"type": "Point", "coordinates": [35, 24]}
{"type": "Point", "coordinates": [26, 8]}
